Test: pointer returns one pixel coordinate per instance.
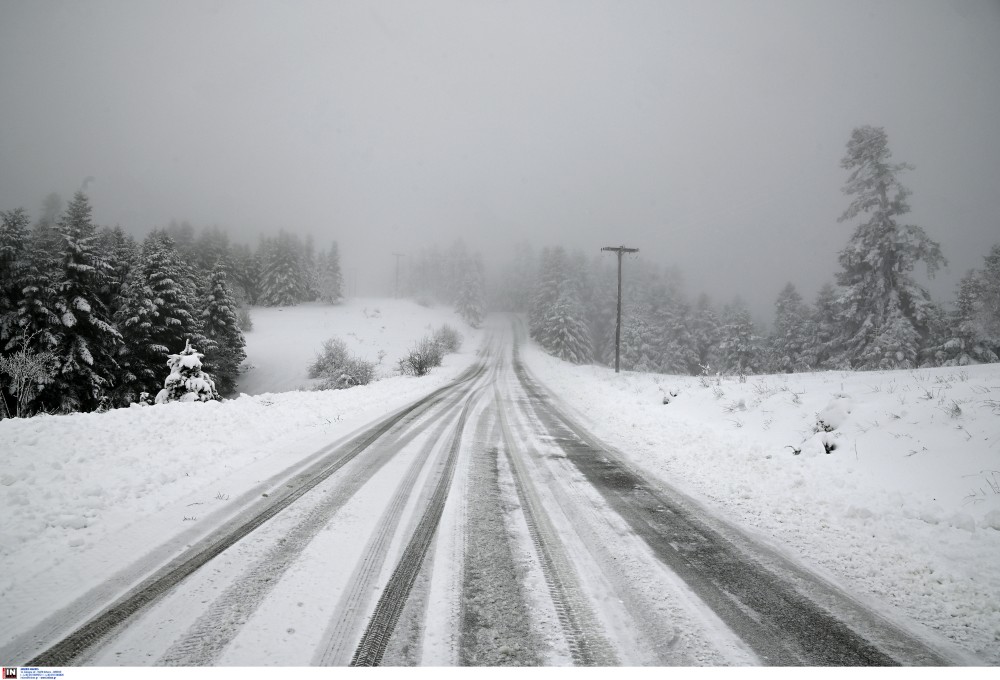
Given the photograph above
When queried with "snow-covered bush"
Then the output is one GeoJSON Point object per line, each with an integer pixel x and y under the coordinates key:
{"type": "Point", "coordinates": [338, 369]}
{"type": "Point", "coordinates": [448, 339]}
{"type": "Point", "coordinates": [424, 356]}
{"type": "Point", "coordinates": [187, 382]}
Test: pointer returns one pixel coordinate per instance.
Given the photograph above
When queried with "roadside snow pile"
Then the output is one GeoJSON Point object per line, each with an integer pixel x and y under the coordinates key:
{"type": "Point", "coordinates": [85, 493]}
{"type": "Point", "coordinates": [286, 340]}
{"type": "Point", "coordinates": [889, 481]}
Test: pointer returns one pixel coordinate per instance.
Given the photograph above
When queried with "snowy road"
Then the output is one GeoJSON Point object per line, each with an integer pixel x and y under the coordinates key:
{"type": "Point", "coordinates": [479, 525]}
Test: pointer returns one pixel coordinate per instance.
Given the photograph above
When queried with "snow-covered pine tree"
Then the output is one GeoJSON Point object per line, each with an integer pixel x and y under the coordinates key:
{"type": "Point", "coordinates": [283, 278]}
{"type": "Point", "coordinates": [671, 321]}
{"type": "Point", "coordinates": [187, 381]}
{"type": "Point", "coordinates": [245, 270]}
{"type": "Point", "coordinates": [787, 346]}
{"type": "Point", "coordinates": [706, 334]}
{"type": "Point", "coordinates": [550, 273]}
{"type": "Point", "coordinates": [740, 346]}
{"type": "Point", "coordinates": [310, 270]}
{"type": "Point", "coordinates": [157, 313]}
{"type": "Point", "coordinates": [331, 280]}
{"type": "Point", "coordinates": [988, 316]}
{"type": "Point", "coordinates": [14, 225]}
{"type": "Point", "coordinates": [469, 300]}
{"type": "Point", "coordinates": [557, 320]}
{"type": "Point", "coordinates": [86, 341]}
{"type": "Point", "coordinates": [121, 253]}
{"type": "Point", "coordinates": [974, 333]}
{"type": "Point", "coordinates": [602, 310]}
{"type": "Point", "coordinates": [822, 331]}
{"type": "Point", "coordinates": [886, 314]}
{"type": "Point", "coordinates": [639, 337]}
{"type": "Point", "coordinates": [221, 326]}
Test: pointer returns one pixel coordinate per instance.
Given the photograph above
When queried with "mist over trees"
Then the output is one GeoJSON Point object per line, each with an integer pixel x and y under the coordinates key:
{"type": "Point", "coordinates": [89, 315]}
{"type": "Point", "coordinates": [455, 277]}
{"type": "Point", "coordinates": [876, 317]}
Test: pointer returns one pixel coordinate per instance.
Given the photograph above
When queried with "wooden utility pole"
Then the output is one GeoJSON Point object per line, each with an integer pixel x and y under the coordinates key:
{"type": "Point", "coordinates": [621, 250]}
{"type": "Point", "coordinates": [398, 255]}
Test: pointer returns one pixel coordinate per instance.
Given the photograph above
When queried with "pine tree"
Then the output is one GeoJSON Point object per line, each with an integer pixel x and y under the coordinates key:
{"type": "Point", "coordinates": [157, 313]}
{"type": "Point", "coordinates": [550, 275]}
{"type": "Point", "coordinates": [469, 300]}
{"type": "Point", "coordinates": [740, 347]}
{"type": "Point", "coordinates": [283, 277]}
{"type": "Point", "coordinates": [245, 269]}
{"type": "Point", "coordinates": [14, 245]}
{"type": "Point", "coordinates": [787, 347]}
{"type": "Point", "coordinates": [988, 308]}
{"type": "Point", "coordinates": [121, 253]}
{"type": "Point", "coordinates": [331, 280]}
{"type": "Point", "coordinates": [821, 348]}
{"type": "Point", "coordinates": [86, 341]}
{"type": "Point", "coordinates": [221, 326]}
{"type": "Point", "coordinates": [706, 334]}
{"type": "Point", "coordinates": [557, 318]}
{"type": "Point", "coordinates": [886, 314]}
{"type": "Point", "coordinates": [187, 381]}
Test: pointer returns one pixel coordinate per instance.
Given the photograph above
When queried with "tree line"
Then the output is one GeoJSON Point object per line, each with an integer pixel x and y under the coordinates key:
{"type": "Point", "coordinates": [89, 315]}
{"type": "Point", "coordinates": [454, 277]}
{"type": "Point", "coordinates": [875, 316]}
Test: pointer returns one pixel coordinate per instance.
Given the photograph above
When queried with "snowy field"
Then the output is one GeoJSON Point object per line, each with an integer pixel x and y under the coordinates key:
{"type": "Point", "coordinates": [905, 509]}
{"type": "Point", "coordinates": [285, 340]}
{"type": "Point", "coordinates": [85, 493]}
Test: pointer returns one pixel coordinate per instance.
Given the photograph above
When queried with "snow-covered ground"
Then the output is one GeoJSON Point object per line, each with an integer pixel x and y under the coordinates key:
{"type": "Point", "coordinates": [285, 340]}
{"type": "Point", "coordinates": [85, 491]}
{"type": "Point", "coordinates": [904, 510]}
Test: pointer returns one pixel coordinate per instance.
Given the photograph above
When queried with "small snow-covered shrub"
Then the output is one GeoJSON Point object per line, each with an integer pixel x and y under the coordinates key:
{"type": "Point", "coordinates": [448, 339]}
{"type": "Point", "coordinates": [338, 369]}
{"type": "Point", "coordinates": [424, 356]}
{"type": "Point", "coordinates": [187, 382]}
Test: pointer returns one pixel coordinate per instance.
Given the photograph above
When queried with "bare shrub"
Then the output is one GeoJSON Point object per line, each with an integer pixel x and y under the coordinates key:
{"type": "Point", "coordinates": [338, 369]}
{"type": "Point", "coordinates": [421, 358]}
{"type": "Point", "coordinates": [448, 339]}
{"type": "Point", "coordinates": [25, 369]}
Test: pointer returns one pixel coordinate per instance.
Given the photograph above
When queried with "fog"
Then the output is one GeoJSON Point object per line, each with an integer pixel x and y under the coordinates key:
{"type": "Point", "coordinates": [707, 134]}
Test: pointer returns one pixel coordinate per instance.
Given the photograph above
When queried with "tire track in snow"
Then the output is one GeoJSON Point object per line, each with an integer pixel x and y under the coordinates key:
{"type": "Point", "coordinates": [350, 611]}
{"type": "Point", "coordinates": [496, 629]}
{"type": "Point", "coordinates": [390, 604]}
{"type": "Point", "coordinates": [778, 622]}
{"type": "Point", "coordinates": [587, 646]}
{"type": "Point", "coordinates": [205, 641]}
{"type": "Point", "coordinates": [152, 588]}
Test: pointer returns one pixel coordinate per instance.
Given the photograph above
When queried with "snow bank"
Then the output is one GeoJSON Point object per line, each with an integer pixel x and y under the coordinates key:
{"type": "Point", "coordinates": [903, 509]}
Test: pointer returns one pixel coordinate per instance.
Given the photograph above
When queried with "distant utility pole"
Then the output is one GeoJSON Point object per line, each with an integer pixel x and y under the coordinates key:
{"type": "Point", "coordinates": [398, 255]}
{"type": "Point", "coordinates": [621, 250]}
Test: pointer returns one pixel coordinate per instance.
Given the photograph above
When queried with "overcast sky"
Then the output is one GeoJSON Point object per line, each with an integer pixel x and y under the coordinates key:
{"type": "Point", "coordinates": [706, 133]}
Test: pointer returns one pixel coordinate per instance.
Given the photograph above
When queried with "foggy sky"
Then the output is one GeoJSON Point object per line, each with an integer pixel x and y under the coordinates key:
{"type": "Point", "coordinates": [706, 133]}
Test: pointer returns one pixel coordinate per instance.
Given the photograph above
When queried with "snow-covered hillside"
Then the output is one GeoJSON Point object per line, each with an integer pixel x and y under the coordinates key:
{"type": "Point", "coordinates": [285, 340]}
{"type": "Point", "coordinates": [81, 492]}
{"type": "Point", "coordinates": [905, 509]}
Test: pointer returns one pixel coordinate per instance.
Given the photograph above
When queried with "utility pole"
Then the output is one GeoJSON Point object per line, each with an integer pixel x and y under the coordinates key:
{"type": "Point", "coordinates": [398, 255]}
{"type": "Point", "coordinates": [621, 250]}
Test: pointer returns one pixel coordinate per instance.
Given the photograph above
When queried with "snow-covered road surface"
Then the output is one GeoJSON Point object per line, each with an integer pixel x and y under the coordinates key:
{"type": "Point", "coordinates": [481, 524]}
